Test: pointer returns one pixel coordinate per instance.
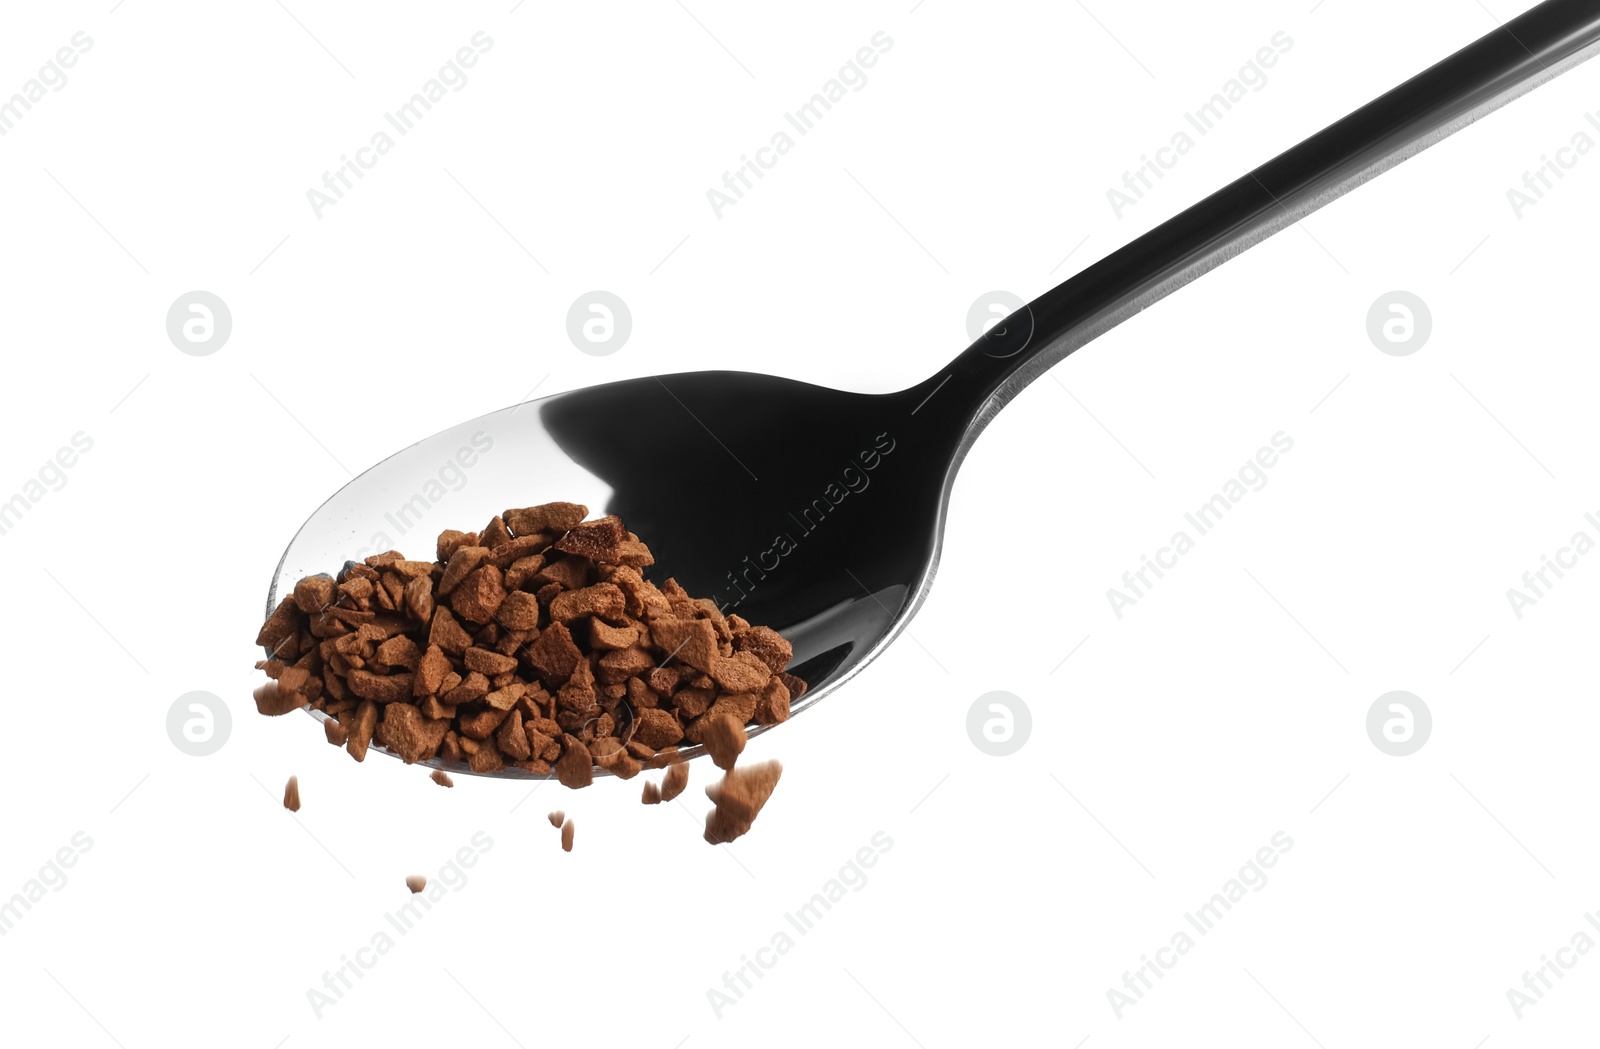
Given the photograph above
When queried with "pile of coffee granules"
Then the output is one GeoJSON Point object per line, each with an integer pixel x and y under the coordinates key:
{"type": "Point", "coordinates": [538, 644]}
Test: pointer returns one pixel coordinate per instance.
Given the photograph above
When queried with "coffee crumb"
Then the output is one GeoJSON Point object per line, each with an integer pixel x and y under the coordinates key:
{"type": "Point", "coordinates": [738, 798]}
{"type": "Point", "coordinates": [576, 767]}
{"type": "Point", "coordinates": [416, 883]}
{"type": "Point", "coordinates": [675, 783]}
{"type": "Point", "coordinates": [724, 739]}
{"type": "Point", "coordinates": [291, 794]}
{"type": "Point", "coordinates": [536, 644]}
{"type": "Point", "coordinates": [557, 818]}
{"type": "Point", "coordinates": [567, 831]}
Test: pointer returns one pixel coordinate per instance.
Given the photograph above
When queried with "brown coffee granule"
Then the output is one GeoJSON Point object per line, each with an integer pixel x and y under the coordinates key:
{"type": "Point", "coordinates": [441, 777]}
{"type": "Point", "coordinates": [363, 721]}
{"type": "Point", "coordinates": [567, 831]}
{"type": "Point", "coordinates": [416, 883]}
{"type": "Point", "coordinates": [738, 798]}
{"type": "Point", "coordinates": [557, 818]}
{"type": "Point", "coordinates": [537, 644]}
{"type": "Point", "coordinates": [677, 779]}
{"type": "Point", "coordinates": [291, 794]}
{"type": "Point", "coordinates": [665, 757]}
{"type": "Point", "coordinates": [652, 793]}
{"type": "Point", "coordinates": [576, 767]}
{"type": "Point", "coordinates": [724, 739]}
{"type": "Point", "coordinates": [272, 699]}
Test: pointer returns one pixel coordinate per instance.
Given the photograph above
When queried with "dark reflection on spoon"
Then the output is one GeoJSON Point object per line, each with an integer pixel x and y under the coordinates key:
{"type": "Point", "coordinates": [810, 510]}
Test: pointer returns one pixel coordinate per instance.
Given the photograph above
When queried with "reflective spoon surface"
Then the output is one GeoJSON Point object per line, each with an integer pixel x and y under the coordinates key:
{"type": "Point", "coordinates": [820, 512]}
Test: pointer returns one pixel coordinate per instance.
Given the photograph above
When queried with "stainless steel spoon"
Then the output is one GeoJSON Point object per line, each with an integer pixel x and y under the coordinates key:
{"type": "Point", "coordinates": [820, 512]}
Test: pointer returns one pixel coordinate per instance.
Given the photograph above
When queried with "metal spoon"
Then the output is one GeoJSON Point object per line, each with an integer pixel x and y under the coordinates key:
{"type": "Point", "coordinates": [820, 512]}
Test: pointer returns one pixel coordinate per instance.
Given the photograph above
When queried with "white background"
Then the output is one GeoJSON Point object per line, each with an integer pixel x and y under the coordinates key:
{"type": "Point", "coordinates": [1228, 705]}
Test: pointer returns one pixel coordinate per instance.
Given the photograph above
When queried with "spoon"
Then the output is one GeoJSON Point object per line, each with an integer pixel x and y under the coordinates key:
{"type": "Point", "coordinates": [819, 512]}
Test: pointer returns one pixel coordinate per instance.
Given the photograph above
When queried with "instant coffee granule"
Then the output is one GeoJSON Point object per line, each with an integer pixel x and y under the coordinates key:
{"type": "Point", "coordinates": [441, 777]}
{"type": "Point", "coordinates": [291, 794]}
{"type": "Point", "coordinates": [725, 739]}
{"type": "Point", "coordinates": [535, 643]}
{"type": "Point", "coordinates": [416, 883]}
{"type": "Point", "coordinates": [738, 798]}
{"type": "Point", "coordinates": [677, 779]}
{"type": "Point", "coordinates": [567, 831]}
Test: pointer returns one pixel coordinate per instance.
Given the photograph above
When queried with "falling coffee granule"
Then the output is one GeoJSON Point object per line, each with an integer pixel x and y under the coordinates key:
{"type": "Point", "coordinates": [291, 794]}
{"type": "Point", "coordinates": [557, 818]}
{"type": "Point", "coordinates": [677, 779]}
{"type": "Point", "coordinates": [652, 793]}
{"type": "Point", "coordinates": [535, 643]}
{"type": "Point", "coordinates": [441, 777]}
{"type": "Point", "coordinates": [725, 739]}
{"type": "Point", "coordinates": [567, 830]}
{"type": "Point", "coordinates": [416, 883]}
{"type": "Point", "coordinates": [738, 798]}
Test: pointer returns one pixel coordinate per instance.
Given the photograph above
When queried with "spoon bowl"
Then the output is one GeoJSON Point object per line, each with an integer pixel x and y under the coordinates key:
{"type": "Point", "coordinates": [810, 510]}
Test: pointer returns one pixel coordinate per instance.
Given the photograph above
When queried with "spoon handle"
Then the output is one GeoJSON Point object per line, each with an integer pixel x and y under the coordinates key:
{"type": "Point", "coordinates": [1519, 56]}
